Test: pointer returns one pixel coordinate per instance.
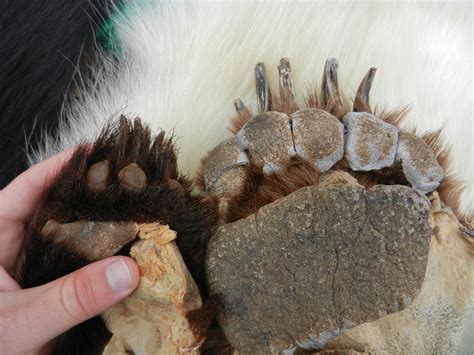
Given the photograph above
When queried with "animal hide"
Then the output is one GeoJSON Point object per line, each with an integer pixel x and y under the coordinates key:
{"type": "Point", "coordinates": [179, 67]}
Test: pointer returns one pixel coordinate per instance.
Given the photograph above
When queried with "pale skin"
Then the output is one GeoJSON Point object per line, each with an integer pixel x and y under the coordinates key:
{"type": "Point", "coordinates": [31, 318]}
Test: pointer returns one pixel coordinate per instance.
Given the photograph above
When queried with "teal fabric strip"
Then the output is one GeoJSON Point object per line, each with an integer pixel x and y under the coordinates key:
{"type": "Point", "coordinates": [106, 34]}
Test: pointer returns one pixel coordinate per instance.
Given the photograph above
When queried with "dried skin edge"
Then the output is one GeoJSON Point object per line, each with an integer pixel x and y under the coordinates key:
{"type": "Point", "coordinates": [153, 318]}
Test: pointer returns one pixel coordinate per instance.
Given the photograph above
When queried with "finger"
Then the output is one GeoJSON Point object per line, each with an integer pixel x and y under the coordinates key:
{"type": "Point", "coordinates": [7, 284]}
{"type": "Point", "coordinates": [19, 199]}
{"type": "Point", "coordinates": [52, 309]}
{"type": "Point", "coordinates": [11, 241]}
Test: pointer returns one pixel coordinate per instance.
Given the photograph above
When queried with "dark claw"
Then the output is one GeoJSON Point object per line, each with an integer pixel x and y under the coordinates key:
{"type": "Point", "coordinates": [468, 232]}
{"type": "Point", "coordinates": [286, 86]}
{"type": "Point", "coordinates": [262, 87]}
{"type": "Point", "coordinates": [240, 107]}
{"type": "Point", "coordinates": [361, 102]}
{"type": "Point", "coordinates": [330, 87]}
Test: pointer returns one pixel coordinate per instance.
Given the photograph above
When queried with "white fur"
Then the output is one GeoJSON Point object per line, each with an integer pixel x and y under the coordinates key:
{"type": "Point", "coordinates": [184, 64]}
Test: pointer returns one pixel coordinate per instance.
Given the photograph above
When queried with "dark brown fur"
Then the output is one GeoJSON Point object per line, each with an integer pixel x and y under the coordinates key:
{"type": "Point", "coordinates": [194, 218]}
{"type": "Point", "coordinates": [199, 177]}
{"type": "Point", "coordinates": [260, 189]}
{"type": "Point", "coordinates": [216, 342]}
{"type": "Point", "coordinates": [68, 199]}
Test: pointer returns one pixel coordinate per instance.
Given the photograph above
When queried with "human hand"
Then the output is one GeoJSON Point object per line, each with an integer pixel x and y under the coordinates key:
{"type": "Point", "coordinates": [31, 318]}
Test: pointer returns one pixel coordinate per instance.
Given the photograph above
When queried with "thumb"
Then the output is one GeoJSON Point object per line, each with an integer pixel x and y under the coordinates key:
{"type": "Point", "coordinates": [52, 309]}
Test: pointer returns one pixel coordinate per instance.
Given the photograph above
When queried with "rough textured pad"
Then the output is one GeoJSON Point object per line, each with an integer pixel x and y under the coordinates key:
{"type": "Point", "coordinates": [90, 239]}
{"type": "Point", "coordinates": [317, 261]}
{"type": "Point", "coordinates": [230, 182]}
{"type": "Point", "coordinates": [371, 143]}
{"type": "Point", "coordinates": [222, 158]}
{"type": "Point", "coordinates": [419, 163]}
{"type": "Point", "coordinates": [267, 135]}
{"type": "Point", "coordinates": [318, 136]}
{"type": "Point", "coordinates": [152, 320]}
{"type": "Point", "coordinates": [433, 323]}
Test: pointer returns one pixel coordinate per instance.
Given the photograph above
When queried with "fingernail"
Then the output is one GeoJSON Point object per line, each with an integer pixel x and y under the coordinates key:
{"type": "Point", "coordinates": [118, 276]}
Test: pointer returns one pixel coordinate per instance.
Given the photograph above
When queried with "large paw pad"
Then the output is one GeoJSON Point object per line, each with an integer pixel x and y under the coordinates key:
{"type": "Point", "coordinates": [314, 248]}
{"type": "Point", "coordinates": [318, 261]}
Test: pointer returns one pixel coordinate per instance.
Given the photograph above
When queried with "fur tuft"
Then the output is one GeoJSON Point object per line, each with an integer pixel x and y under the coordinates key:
{"type": "Point", "coordinates": [260, 189]}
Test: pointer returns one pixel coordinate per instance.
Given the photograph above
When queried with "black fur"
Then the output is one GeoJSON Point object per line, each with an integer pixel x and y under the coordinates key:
{"type": "Point", "coordinates": [41, 43]}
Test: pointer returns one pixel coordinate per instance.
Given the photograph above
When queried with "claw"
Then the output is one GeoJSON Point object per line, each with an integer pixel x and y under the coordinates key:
{"type": "Point", "coordinates": [286, 87]}
{"type": "Point", "coordinates": [361, 102]}
{"type": "Point", "coordinates": [468, 232]}
{"type": "Point", "coordinates": [262, 87]}
{"type": "Point", "coordinates": [240, 107]}
{"type": "Point", "coordinates": [330, 87]}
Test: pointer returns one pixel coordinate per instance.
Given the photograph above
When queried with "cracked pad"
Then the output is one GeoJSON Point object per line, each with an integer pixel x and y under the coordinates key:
{"type": "Point", "coordinates": [370, 143]}
{"type": "Point", "coordinates": [419, 163]}
{"type": "Point", "coordinates": [318, 137]}
{"type": "Point", "coordinates": [319, 260]}
{"type": "Point", "coordinates": [268, 135]}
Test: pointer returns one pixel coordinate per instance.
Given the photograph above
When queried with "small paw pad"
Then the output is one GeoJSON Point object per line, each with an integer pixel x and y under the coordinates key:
{"type": "Point", "coordinates": [318, 137]}
{"type": "Point", "coordinates": [225, 156]}
{"type": "Point", "coordinates": [267, 135]}
{"type": "Point", "coordinates": [419, 163]}
{"type": "Point", "coordinates": [132, 178]}
{"type": "Point", "coordinates": [371, 143]}
{"type": "Point", "coordinates": [98, 175]}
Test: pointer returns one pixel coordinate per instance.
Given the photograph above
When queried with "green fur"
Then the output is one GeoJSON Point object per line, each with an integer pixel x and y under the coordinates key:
{"type": "Point", "coordinates": [106, 34]}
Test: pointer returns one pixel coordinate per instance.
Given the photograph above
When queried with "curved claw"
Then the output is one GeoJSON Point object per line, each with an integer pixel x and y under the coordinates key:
{"type": "Point", "coordinates": [330, 86]}
{"type": "Point", "coordinates": [361, 101]}
{"type": "Point", "coordinates": [262, 87]}
{"type": "Point", "coordinates": [240, 107]}
{"type": "Point", "coordinates": [286, 86]}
